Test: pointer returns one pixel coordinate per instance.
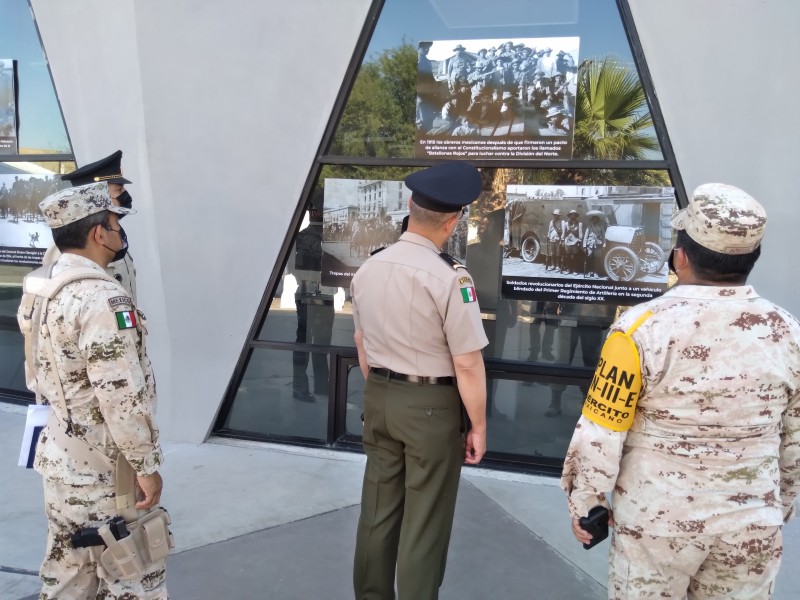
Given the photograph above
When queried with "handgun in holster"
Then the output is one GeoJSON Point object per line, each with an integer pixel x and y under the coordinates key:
{"type": "Point", "coordinates": [130, 549]}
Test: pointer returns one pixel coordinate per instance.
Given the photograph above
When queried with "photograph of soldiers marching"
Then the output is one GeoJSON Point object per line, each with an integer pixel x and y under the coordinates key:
{"type": "Point", "coordinates": [496, 98]}
{"type": "Point", "coordinates": [593, 243]}
{"type": "Point", "coordinates": [24, 235]}
{"type": "Point", "coordinates": [363, 216]}
{"type": "Point", "coordinates": [8, 110]}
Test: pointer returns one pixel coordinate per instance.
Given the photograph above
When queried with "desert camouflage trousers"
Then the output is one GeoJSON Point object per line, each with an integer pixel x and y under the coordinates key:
{"type": "Point", "coordinates": [69, 573]}
{"type": "Point", "coordinates": [734, 566]}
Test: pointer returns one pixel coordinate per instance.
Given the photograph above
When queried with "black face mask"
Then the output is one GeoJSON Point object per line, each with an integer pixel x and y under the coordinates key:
{"type": "Point", "coordinates": [125, 200]}
{"type": "Point", "coordinates": [122, 252]}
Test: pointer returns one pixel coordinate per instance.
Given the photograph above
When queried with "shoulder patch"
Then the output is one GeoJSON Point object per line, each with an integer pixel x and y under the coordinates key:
{"type": "Point", "coordinates": [120, 301]}
{"type": "Point", "coordinates": [451, 261]}
{"type": "Point", "coordinates": [126, 319]}
{"type": "Point", "coordinates": [468, 294]}
{"type": "Point", "coordinates": [463, 280]}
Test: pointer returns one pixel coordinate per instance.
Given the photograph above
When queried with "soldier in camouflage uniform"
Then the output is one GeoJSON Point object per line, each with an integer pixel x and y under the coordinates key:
{"type": "Point", "coordinates": [706, 467]}
{"type": "Point", "coordinates": [98, 338]}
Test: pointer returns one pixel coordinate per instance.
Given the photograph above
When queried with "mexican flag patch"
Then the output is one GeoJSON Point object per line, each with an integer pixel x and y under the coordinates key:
{"type": "Point", "coordinates": [127, 319]}
{"type": "Point", "coordinates": [468, 294]}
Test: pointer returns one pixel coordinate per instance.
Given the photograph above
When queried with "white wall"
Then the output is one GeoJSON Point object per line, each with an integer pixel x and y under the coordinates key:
{"type": "Point", "coordinates": [725, 76]}
{"type": "Point", "coordinates": [219, 108]}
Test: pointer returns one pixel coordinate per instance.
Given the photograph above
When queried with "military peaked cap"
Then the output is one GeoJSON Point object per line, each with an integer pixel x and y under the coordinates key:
{"type": "Point", "coordinates": [446, 187]}
{"type": "Point", "coordinates": [106, 169]}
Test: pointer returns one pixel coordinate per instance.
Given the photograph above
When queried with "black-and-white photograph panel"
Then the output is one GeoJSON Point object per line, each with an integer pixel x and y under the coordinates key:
{"type": "Point", "coordinates": [587, 243]}
{"type": "Point", "coordinates": [495, 98]}
{"type": "Point", "coordinates": [8, 108]}
{"type": "Point", "coordinates": [24, 234]}
{"type": "Point", "coordinates": [362, 216]}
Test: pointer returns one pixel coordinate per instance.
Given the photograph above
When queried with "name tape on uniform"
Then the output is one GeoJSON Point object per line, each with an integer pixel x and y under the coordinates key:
{"type": "Point", "coordinates": [119, 301]}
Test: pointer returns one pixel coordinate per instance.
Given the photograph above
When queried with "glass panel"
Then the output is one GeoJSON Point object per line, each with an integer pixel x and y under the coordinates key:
{"type": "Point", "coordinates": [12, 365]}
{"type": "Point", "coordinates": [355, 210]}
{"type": "Point", "coordinates": [11, 288]}
{"type": "Point", "coordinates": [445, 79]}
{"type": "Point", "coordinates": [281, 396]}
{"type": "Point", "coordinates": [355, 402]}
{"type": "Point", "coordinates": [545, 301]}
{"type": "Point", "coordinates": [24, 235]}
{"type": "Point", "coordinates": [532, 419]}
{"type": "Point", "coordinates": [524, 418]}
{"type": "Point", "coordinates": [42, 129]}
{"type": "Point", "coordinates": [548, 332]}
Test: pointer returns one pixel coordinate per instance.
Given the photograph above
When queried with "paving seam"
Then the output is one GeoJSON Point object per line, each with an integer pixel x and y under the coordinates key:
{"type": "Point", "coordinates": [540, 538]}
{"type": "Point", "coordinates": [15, 571]}
{"type": "Point", "coordinates": [327, 512]}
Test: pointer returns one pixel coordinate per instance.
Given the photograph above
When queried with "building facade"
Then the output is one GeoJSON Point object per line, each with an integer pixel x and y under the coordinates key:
{"type": "Point", "coordinates": [237, 117]}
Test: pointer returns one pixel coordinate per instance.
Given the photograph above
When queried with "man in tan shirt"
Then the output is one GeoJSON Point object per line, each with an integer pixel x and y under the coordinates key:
{"type": "Point", "coordinates": [419, 337]}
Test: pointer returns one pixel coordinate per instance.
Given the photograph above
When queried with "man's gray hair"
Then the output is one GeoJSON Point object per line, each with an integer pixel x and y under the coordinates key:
{"type": "Point", "coordinates": [428, 218]}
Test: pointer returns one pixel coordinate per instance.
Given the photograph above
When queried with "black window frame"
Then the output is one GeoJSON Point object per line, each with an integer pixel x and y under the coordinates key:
{"type": "Point", "coordinates": [10, 322]}
{"type": "Point", "coordinates": [507, 369]}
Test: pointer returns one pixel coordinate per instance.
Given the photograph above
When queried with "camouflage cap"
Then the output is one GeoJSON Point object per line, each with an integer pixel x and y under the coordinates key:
{"type": "Point", "coordinates": [723, 218]}
{"type": "Point", "coordinates": [76, 203]}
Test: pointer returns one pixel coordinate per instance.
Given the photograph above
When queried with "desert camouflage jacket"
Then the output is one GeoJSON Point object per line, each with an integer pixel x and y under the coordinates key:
{"type": "Point", "coordinates": [715, 443]}
{"type": "Point", "coordinates": [97, 337]}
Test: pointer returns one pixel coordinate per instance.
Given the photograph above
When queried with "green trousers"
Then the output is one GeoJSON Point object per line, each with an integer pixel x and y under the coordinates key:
{"type": "Point", "coordinates": [414, 446]}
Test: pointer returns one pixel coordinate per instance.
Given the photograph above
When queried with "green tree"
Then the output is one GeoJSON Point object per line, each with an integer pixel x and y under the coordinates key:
{"type": "Point", "coordinates": [378, 120]}
{"type": "Point", "coordinates": [612, 120]}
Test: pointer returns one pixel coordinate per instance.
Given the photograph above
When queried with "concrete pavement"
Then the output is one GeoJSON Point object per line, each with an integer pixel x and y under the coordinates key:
{"type": "Point", "coordinates": [256, 521]}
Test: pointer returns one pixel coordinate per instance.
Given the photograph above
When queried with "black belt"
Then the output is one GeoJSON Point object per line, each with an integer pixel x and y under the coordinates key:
{"type": "Point", "coordinates": [317, 299]}
{"type": "Point", "coordinates": [412, 378]}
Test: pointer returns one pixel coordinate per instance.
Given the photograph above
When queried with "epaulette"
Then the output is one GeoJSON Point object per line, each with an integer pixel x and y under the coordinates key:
{"type": "Point", "coordinates": [451, 261]}
{"type": "Point", "coordinates": [374, 252]}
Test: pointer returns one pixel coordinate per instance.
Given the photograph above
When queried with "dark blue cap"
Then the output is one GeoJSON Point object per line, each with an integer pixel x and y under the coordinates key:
{"type": "Point", "coordinates": [446, 187]}
{"type": "Point", "coordinates": [106, 169]}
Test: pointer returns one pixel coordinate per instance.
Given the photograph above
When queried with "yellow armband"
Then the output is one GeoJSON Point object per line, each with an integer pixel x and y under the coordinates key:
{"type": "Point", "coordinates": [617, 382]}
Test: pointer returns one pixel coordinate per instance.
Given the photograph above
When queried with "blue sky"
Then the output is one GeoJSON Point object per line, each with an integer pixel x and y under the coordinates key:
{"type": "Point", "coordinates": [596, 22]}
{"type": "Point", "coordinates": [41, 126]}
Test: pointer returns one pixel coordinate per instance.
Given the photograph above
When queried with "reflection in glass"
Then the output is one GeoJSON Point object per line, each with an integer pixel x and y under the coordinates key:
{"type": "Point", "coordinates": [268, 402]}
{"type": "Point", "coordinates": [24, 235]}
{"type": "Point", "coordinates": [548, 332]}
{"type": "Point", "coordinates": [523, 420]}
{"type": "Point", "coordinates": [12, 367]}
{"type": "Point", "coordinates": [355, 402]}
{"type": "Point", "coordinates": [304, 310]}
{"type": "Point", "coordinates": [43, 131]}
{"type": "Point", "coordinates": [399, 89]}
{"type": "Point", "coordinates": [11, 288]}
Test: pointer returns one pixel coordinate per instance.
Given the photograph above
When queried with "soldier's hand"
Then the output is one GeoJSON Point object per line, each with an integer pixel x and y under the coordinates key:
{"type": "Point", "coordinates": [475, 447]}
{"type": "Point", "coordinates": [150, 486]}
{"type": "Point", "coordinates": [583, 536]}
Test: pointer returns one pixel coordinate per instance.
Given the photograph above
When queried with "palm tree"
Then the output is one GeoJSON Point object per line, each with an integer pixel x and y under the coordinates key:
{"type": "Point", "coordinates": [612, 120]}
